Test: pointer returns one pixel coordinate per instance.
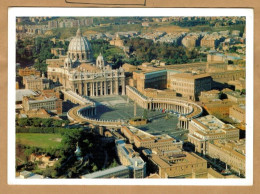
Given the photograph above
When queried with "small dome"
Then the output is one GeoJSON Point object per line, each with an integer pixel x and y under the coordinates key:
{"type": "Point", "coordinates": [67, 60]}
{"type": "Point", "coordinates": [79, 43]}
{"type": "Point", "coordinates": [100, 63]}
{"type": "Point", "coordinates": [100, 57]}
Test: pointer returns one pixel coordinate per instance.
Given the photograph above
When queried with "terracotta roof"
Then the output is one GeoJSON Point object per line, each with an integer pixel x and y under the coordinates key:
{"type": "Point", "coordinates": [88, 67]}
{"type": "Point", "coordinates": [54, 65]}
{"type": "Point", "coordinates": [190, 76]}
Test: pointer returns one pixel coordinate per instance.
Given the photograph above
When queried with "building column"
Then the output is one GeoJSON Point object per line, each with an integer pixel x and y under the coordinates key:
{"type": "Point", "coordinates": [123, 87]}
{"type": "Point", "coordinates": [89, 88]}
{"type": "Point", "coordinates": [116, 87]}
{"type": "Point", "coordinates": [92, 89]}
{"type": "Point", "coordinates": [79, 88]}
{"type": "Point", "coordinates": [111, 87]}
{"type": "Point", "coordinates": [96, 88]}
{"type": "Point", "coordinates": [101, 88]}
{"type": "Point", "coordinates": [85, 89]}
{"type": "Point", "coordinates": [105, 88]}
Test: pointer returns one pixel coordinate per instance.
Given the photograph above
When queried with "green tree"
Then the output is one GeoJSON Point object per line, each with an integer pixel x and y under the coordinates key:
{"type": "Point", "coordinates": [23, 122]}
{"type": "Point", "coordinates": [47, 122]}
{"type": "Point", "coordinates": [94, 167]}
{"type": "Point", "coordinates": [57, 123]}
{"type": "Point", "coordinates": [69, 140]}
{"type": "Point", "coordinates": [113, 164]}
{"type": "Point", "coordinates": [66, 122]}
{"type": "Point", "coordinates": [36, 122]}
{"type": "Point", "coordinates": [28, 153]}
{"type": "Point", "coordinates": [50, 172]}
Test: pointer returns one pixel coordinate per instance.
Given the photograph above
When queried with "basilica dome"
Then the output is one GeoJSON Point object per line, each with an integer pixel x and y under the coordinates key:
{"type": "Point", "coordinates": [79, 48]}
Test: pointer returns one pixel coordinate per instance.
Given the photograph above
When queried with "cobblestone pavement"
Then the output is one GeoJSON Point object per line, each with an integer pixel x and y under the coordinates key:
{"type": "Point", "coordinates": [118, 107]}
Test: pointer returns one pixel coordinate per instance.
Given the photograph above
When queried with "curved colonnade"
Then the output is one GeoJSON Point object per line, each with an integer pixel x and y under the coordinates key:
{"type": "Point", "coordinates": [80, 114]}
{"type": "Point", "coordinates": [185, 109]}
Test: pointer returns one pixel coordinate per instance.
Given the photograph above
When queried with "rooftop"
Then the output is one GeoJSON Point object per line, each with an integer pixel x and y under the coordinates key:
{"type": "Point", "coordinates": [236, 148]}
{"type": "Point", "coordinates": [156, 72]}
{"type": "Point", "coordinates": [132, 156]}
{"type": "Point", "coordinates": [24, 92]}
{"type": "Point", "coordinates": [33, 77]}
{"type": "Point", "coordinates": [39, 98]}
{"type": "Point", "coordinates": [191, 76]}
{"type": "Point", "coordinates": [211, 92]}
{"type": "Point", "coordinates": [100, 174]}
{"type": "Point", "coordinates": [88, 67]}
{"type": "Point", "coordinates": [235, 94]}
{"type": "Point", "coordinates": [143, 136]}
{"type": "Point", "coordinates": [211, 123]}
{"type": "Point", "coordinates": [180, 159]}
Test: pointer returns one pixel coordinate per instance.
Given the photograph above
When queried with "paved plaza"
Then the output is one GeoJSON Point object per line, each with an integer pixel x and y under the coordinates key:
{"type": "Point", "coordinates": [119, 107]}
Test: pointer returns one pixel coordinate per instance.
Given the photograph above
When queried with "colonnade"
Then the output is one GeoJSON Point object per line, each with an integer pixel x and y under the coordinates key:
{"type": "Point", "coordinates": [136, 96]}
{"type": "Point", "coordinates": [82, 114]}
{"type": "Point", "coordinates": [171, 106]}
{"type": "Point", "coordinates": [100, 88]}
{"type": "Point", "coordinates": [75, 98]}
{"type": "Point", "coordinates": [186, 109]}
{"type": "Point", "coordinates": [88, 111]}
{"type": "Point", "coordinates": [183, 123]}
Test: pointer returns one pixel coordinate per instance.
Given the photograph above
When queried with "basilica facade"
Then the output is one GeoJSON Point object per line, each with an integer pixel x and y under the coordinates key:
{"type": "Point", "coordinates": [78, 72]}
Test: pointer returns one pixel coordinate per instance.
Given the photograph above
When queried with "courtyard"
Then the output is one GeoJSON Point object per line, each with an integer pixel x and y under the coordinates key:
{"type": "Point", "coordinates": [120, 107]}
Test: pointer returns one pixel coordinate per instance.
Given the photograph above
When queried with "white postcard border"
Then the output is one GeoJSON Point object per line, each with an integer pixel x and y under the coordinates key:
{"type": "Point", "coordinates": [103, 12]}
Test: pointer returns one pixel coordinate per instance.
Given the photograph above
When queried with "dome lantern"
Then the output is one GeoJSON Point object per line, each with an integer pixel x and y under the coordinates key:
{"type": "Point", "coordinates": [78, 32]}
